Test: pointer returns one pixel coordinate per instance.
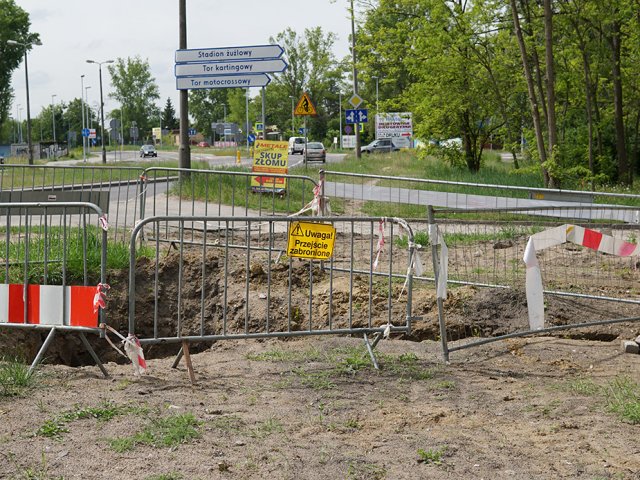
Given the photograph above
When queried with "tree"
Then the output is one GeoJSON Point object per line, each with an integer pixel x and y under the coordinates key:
{"type": "Point", "coordinates": [14, 25]}
{"type": "Point", "coordinates": [207, 107]}
{"type": "Point", "coordinates": [136, 90]}
{"type": "Point", "coordinates": [169, 120]}
{"type": "Point", "coordinates": [313, 69]}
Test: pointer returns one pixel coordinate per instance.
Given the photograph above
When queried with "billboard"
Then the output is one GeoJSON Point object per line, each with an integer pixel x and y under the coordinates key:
{"type": "Point", "coordinates": [398, 125]}
{"type": "Point", "coordinates": [269, 157]}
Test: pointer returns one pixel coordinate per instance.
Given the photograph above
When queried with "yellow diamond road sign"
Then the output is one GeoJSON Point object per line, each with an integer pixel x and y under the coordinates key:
{"type": "Point", "coordinates": [311, 240]}
{"type": "Point", "coordinates": [305, 106]}
{"type": "Point", "coordinates": [355, 100]}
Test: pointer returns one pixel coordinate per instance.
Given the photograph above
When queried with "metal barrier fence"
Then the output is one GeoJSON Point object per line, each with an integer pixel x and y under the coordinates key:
{"type": "Point", "coordinates": [129, 194]}
{"type": "Point", "coordinates": [408, 197]}
{"type": "Point", "coordinates": [55, 259]}
{"type": "Point", "coordinates": [486, 249]}
{"type": "Point", "coordinates": [115, 189]}
{"type": "Point", "coordinates": [236, 281]}
{"type": "Point", "coordinates": [174, 191]}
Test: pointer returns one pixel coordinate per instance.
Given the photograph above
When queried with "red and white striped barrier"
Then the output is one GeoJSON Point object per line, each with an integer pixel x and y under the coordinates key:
{"type": "Point", "coordinates": [54, 305]}
{"type": "Point", "coordinates": [556, 236]}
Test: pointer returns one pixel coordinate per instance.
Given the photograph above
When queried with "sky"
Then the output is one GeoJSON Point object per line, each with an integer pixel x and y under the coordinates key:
{"type": "Point", "coordinates": [73, 31]}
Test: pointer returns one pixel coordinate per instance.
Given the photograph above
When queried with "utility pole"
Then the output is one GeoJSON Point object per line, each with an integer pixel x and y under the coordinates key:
{"type": "Point", "coordinates": [84, 148]}
{"type": "Point", "coordinates": [355, 74]}
{"type": "Point", "coordinates": [185, 150]}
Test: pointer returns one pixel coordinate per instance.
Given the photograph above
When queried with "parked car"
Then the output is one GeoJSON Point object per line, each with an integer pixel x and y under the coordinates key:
{"type": "Point", "coordinates": [204, 144]}
{"type": "Point", "coordinates": [381, 145]}
{"type": "Point", "coordinates": [315, 152]}
{"type": "Point", "coordinates": [296, 145]}
{"type": "Point", "coordinates": [148, 151]}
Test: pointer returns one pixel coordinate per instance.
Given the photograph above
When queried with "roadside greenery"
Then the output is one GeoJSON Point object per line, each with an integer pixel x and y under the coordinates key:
{"type": "Point", "coordinates": [15, 379]}
{"type": "Point", "coordinates": [68, 252]}
{"type": "Point", "coordinates": [621, 396]}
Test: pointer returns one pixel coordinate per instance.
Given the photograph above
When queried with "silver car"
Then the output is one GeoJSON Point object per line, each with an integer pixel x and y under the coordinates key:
{"type": "Point", "coordinates": [315, 152]}
{"type": "Point", "coordinates": [148, 151]}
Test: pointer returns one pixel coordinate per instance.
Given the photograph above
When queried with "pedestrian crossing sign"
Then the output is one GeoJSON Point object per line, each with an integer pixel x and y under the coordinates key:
{"type": "Point", "coordinates": [305, 106]}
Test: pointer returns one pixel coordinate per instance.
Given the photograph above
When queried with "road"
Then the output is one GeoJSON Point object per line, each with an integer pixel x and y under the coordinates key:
{"type": "Point", "coordinates": [121, 200]}
{"type": "Point", "coordinates": [197, 155]}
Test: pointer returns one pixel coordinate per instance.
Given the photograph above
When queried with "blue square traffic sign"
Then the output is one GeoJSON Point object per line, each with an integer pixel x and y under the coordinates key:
{"type": "Point", "coordinates": [360, 115]}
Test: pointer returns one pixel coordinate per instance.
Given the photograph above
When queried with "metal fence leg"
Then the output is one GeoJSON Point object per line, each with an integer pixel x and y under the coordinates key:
{"type": "Point", "coordinates": [93, 354]}
{"type": "Point", "coordinates": [187, 360]}
{"type": "Point", "coordinates": [176, 362]}
{"type": "Point", "coordinates": [371, 354]}
{"type": "Point", "coordinates": [42, 350]}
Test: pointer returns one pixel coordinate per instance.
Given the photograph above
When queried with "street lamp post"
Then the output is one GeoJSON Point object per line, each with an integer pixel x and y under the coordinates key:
{"type": "Point", "coordinates": [376, 78]}
{"type": "Point", "coordinates": [104, 150]}
{"type": "Point", "coordinates": [53, 117]}
{"type": "Point", "coordinates": [20, 122]}
{"type": "Point", "coordinates": [293, 127]}
{"type": "Point", "coordinates": [89, 118]}
{"type": "Point", "coordinates": [340, 115]}
{"type": "Point", "coordinates": [84, 147]}
{"type": "Point", "coordinates": [26, 77]}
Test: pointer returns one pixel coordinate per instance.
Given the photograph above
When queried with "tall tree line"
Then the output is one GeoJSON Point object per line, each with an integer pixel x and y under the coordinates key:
{"type": "Point", "coordinates": [561, 73]}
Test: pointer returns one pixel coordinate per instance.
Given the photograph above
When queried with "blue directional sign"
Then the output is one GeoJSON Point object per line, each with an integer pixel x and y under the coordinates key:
{"type": "Point", "coordinates": [192, 132]}
{"type": "Point", "coordinates": [85, 132]}
{"type": "Point", "coordinates": [251, 138]}
{"type": "Point", "coordinates": [360, 115]}
{"type": "Point", "coordinates": [301, 130]}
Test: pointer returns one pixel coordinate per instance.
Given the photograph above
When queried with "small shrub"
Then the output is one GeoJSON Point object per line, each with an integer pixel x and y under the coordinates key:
{"type": "Point", "coordinates": [163, 432]}
{"type": "Point", "coordinates": [15, 378]}
{"type": "Point", "coordinates": [432, 456]}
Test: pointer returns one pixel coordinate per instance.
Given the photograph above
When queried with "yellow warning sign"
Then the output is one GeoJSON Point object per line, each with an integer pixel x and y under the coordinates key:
{"type": "Point", "coordinates": [305, 106]}
{"type": "Point", "coordinates": [311, 240]}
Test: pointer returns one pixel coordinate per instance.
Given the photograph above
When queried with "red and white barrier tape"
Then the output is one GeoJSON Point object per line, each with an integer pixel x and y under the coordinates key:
{"type": "Point", "coordinates": [316, 204]}
{"type": "Point", "coordinates": [586, 237]}
{"type": "Point", "coordinates": [104, 224]}
{"type": "Point", "coordinates": [100, 297]}
{"type": "Point", "coordinates": [132, 348]}
{"type": "Point", "coordinates": [381, 226]}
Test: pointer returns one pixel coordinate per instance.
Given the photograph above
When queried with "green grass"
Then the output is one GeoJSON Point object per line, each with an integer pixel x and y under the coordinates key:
{"type": "Point", "coordinates": [52, 429]}
{"type": "Point", "coordinates": [621, 396]}
{"type": "Point", "coordinates": [346, 361]}
{"type": "Point", "coordinates": [15, 380]}
{"type": "Point", "coordinates": [233, 189]}
{"type": "Point", "coordinates": [73, 241]}
{"type": "Point", "coordinates": [105, 411]}
{"type": "Point", "coordinates": [431, 456]}
{"type": "Point", "coordinates": [161, 432]}
{"type": "Point", "coordinates": [623, 399]}
{"type": "Point", "coordinates": [165, 476]}
{"type": "Point", "coordinates": [269, 427]}
{"type": "Point", "coordinates": [31, 472]}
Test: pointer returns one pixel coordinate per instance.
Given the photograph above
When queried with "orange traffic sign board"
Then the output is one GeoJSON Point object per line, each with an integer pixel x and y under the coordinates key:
{"type": "Point", "coordinates": [305, 106]}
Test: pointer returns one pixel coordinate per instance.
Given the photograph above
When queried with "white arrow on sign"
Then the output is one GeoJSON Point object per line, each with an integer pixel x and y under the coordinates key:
{"type": "Point", "coordinates": [229, 53]}
{"type": "Point", "coordinates": [223, 81]}
{"type": "Point", "coordinates": [230, 68]}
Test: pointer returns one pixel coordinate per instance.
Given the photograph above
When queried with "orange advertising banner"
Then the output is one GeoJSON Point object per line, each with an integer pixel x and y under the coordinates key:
{"type": "Point", "coordinates": [271, 157]}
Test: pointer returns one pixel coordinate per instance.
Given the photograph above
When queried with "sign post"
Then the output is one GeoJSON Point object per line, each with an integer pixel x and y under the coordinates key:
{"type": "Point", "coordinates": [305, 107]}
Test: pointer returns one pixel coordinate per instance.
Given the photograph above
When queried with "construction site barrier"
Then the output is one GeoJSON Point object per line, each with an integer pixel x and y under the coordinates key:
{"type": "Point", "coordinates": [58, 245]}
{"type": "Point", "coordinates": [242, 277]}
